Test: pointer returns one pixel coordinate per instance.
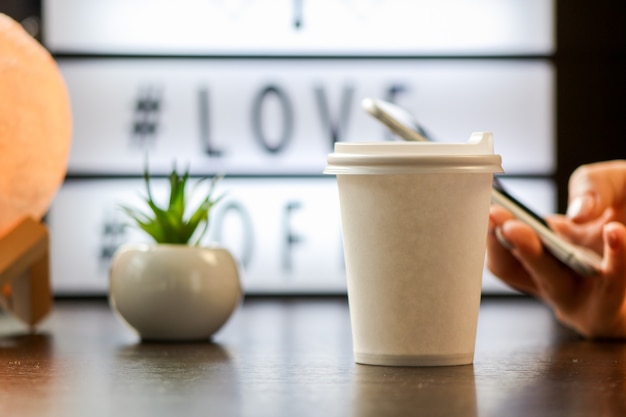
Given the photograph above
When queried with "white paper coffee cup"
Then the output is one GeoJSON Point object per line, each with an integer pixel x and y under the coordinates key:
{"type": "Point", "coordinates": [414, 218]}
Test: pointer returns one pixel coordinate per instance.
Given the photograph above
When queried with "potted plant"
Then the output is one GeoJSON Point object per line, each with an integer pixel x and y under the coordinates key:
{"type": "Point", "coordinates": [174, 289]}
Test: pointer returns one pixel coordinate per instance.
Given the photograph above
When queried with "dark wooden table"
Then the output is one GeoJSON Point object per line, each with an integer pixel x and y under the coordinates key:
{"type": "Point", "coordinates": [293, 357]}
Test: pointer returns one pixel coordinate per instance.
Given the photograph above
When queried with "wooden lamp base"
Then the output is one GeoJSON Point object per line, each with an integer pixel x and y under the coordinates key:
{"type": "Point", "coordinates": [25, 272]}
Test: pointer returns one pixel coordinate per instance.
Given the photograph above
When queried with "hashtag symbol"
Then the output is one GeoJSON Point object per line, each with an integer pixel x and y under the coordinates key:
{"type": "Point", "coordinates": [113, 236]}
{"type": "Point", "coordinates": [146, 115]}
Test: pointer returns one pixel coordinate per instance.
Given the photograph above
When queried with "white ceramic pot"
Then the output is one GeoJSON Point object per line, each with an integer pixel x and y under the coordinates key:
{"type": "Point", "coordinates": [174, 292]}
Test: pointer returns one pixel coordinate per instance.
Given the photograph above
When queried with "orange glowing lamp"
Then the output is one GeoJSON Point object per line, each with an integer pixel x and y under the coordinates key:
{"type": "Point", "coordinates": [35, 136]}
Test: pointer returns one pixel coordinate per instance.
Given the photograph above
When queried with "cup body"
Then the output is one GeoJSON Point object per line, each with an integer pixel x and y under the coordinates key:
{"type": "Point", "coordinates": [414, 244]}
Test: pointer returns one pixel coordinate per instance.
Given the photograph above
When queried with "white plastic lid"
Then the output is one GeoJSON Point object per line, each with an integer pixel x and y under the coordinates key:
{"type": "Point", "coordinates": [476, 155]}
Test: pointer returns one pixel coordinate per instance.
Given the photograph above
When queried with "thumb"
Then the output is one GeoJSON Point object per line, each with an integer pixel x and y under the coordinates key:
{"type": "Point", "coordinates": [615, 250]}
{"type": "Point", "coordinates": [595, 187]}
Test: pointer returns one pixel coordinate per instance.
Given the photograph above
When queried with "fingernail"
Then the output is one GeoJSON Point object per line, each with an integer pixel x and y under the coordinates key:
{"type": "Point", "coordinates": [580, 207]}
{"type": "Point", "coordinates": [503, 241]}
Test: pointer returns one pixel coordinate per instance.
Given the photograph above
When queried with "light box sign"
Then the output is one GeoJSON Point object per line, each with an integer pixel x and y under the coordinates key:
{"type": "Point", "coordinates": [284, 232]}
{"type": "Point", "coordinates": [282, 117]}
{"type": "Point", "coordinates": [296, 27]}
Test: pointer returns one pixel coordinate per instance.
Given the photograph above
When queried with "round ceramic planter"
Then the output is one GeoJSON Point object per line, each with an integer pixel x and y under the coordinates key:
{"type": "Point", "coordinates": [174, 292]}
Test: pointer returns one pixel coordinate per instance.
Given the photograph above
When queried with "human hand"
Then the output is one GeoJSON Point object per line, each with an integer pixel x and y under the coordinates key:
{"type": "Point", "coordinates": [595, 188]}
{"type": "Point", "coordinates": [593, 306]}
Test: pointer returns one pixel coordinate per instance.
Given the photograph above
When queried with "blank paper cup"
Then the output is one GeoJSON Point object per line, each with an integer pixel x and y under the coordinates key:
{"type": "Point", "coordinates": [414, 218]}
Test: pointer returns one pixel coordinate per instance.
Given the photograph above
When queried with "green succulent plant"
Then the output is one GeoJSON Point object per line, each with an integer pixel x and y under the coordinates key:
{"type": "Point", "coordinates": [177, 222]}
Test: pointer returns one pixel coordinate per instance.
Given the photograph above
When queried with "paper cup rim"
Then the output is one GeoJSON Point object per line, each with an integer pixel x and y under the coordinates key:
{"type": "Point", "coordinates": [352, 164]}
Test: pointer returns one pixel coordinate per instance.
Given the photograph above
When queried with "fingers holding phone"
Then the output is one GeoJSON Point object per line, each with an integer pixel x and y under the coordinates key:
{"type": "Point", "coordinates": [596, 188]}
{"type": "Point", "coordinates": [593, 306]}
{"type": "Point", "coordinates": [518, 256]}
{"type": "Point", "coordinates": [500, 259]}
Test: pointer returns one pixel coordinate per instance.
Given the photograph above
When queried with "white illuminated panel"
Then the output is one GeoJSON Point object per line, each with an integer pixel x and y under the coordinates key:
{"type": "Point", "coordinates": [326, 27]}
{"type": "Point", "coordinates": [256, 221]}
{"type": "Point", "coordinates": [281, 116]}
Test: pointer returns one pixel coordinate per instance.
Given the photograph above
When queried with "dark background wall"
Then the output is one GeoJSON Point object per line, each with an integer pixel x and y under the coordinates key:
{"type": "Point", "coordinates": [591, 85]}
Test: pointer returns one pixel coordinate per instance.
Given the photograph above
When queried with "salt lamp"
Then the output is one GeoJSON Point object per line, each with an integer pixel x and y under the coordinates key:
{"type": "Point", "coordinates": [35, 126]}
{"type": "Point", "coordinates": [35, 135]}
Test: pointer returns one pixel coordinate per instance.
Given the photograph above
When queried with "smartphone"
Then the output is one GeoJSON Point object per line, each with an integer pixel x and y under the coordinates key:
{"type": "Point", "coordinates": [582, 260]}
{"type": "Point", "coordinates": [397, 119]}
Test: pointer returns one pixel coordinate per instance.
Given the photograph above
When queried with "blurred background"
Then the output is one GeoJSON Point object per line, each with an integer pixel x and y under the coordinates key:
{"type": "Point", "coordinates": [259, 90]}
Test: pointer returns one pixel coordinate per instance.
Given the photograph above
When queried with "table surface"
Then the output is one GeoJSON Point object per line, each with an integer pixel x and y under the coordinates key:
{"type": "Point", "coordinates": [293, 357]}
